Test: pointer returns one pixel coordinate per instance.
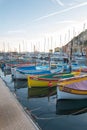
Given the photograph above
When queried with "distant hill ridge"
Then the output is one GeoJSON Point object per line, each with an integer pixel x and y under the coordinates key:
{"type": "Point", "coordinates": [81, 39]}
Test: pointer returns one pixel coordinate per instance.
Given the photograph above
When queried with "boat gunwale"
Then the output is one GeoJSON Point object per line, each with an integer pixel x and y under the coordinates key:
{"type": "Point", "coordinates": [72, 91]}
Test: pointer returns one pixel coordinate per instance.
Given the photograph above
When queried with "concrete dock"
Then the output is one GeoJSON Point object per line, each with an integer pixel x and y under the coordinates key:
{"type": "Point", "coordinates": [12, 114]}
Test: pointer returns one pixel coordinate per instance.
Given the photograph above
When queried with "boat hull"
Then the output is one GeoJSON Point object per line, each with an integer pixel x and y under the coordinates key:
{"type": "Point", "coordinates": [49, 80]}
{"type": "Point", "coordinates": [67, 95]}
{"type": "Point", "coordinates": [35, 82]}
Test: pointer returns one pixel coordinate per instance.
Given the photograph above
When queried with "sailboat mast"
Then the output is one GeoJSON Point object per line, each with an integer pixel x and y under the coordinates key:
{"type": "Point", "coordinates": [49, 56]}
{"type": "Point", "coordinates": [71, 49]}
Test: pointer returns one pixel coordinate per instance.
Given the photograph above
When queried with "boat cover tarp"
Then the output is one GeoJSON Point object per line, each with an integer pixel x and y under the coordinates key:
{"type": "Point", "coordinates": [78, 85]}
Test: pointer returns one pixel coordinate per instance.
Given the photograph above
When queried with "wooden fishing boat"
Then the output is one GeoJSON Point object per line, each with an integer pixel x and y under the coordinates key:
{"type": "Point", "coordinates": [19, 67]}
{"type": "Point", "coordinates": [72, 88]}
{"type": "Point", "coordinates": [24, 71]}
{"type": "Point", "coordinates": [49, 80]}
{"type": "Point", "coordinates": [71, 106]}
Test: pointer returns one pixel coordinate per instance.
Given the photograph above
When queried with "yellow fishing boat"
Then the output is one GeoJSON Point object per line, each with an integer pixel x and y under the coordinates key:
{"type": "Point", "coordinates": [72, 88]}
{"type": "Point", "coordinates": [37, 82]}
{"type": "Point", "coordinates": [48, 80]}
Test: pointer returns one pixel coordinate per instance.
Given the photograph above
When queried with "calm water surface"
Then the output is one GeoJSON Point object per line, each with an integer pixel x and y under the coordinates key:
{"type": "Point", "coordinates": [46, 110]}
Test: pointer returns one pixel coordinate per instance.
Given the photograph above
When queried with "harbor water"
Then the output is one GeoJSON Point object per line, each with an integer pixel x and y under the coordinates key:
{"type": "Point", "coordinates": [46, 110]}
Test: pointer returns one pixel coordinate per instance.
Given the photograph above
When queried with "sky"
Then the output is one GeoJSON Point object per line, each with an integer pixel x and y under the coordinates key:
{"type": "Point", "coordinates": [45, 24]}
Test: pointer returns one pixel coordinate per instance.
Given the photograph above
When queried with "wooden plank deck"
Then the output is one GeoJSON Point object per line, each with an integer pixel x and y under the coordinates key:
{"type": "Point", "coordinates": [12, 114]}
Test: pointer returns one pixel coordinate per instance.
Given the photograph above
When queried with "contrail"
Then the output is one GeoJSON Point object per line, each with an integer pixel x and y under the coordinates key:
{"type": "Point", "coordinates": [59, 2]}
{"type": "Point", "coordinates": [62, 11]}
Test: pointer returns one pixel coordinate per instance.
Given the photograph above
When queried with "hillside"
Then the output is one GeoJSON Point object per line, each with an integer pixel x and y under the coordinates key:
{"type": "Point", "coordinates": [80, 40]}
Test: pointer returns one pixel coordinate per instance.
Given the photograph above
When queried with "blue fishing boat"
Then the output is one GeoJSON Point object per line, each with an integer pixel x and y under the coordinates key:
{"type": "Point", "coordinates": [23, 72]}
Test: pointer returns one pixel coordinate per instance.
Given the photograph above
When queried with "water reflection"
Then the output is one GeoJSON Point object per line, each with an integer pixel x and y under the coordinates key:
{"type": "Point", "coordinates": [20, 84]}
{"type": "Point", "coordinates": [71, 106]}
{"type": "Point", "coordinates": [35, 92]}
{"type": "Point", "coordinates": [41, 92]}
{"type": "Point", "coordinates": [50, 114]}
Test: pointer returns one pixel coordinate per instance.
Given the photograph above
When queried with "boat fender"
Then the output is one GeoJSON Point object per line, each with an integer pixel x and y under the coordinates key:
{"type": "Point", "coordinates": [50, 84]}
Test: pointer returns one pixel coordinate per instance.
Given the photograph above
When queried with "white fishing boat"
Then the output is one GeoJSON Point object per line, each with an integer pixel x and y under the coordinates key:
{"type": "Point", "coordinates": [72, 88]}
